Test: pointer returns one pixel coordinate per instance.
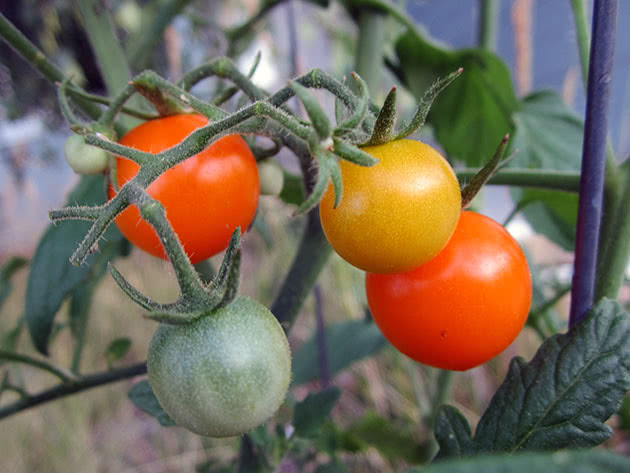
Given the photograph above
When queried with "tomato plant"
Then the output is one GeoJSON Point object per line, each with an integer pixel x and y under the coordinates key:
{"type": "Point", "coordinates": [224, 373]}
{"type": "Point", "coordinates": [395, 215]}
{"type": "Point", "coordinates": [83, 158]}
{"type": "Point", "coordinates": [461, 308]}
{"type": "Point", "coordinates": [205, 197]}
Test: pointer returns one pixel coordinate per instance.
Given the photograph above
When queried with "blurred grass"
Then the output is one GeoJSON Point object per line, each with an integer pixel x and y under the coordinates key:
{"type": "Point", "coordinates": [100, 430]}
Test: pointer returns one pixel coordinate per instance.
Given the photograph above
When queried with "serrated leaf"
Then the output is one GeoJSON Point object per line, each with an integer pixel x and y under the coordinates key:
{"type": "Point", "coordinates": [549, 135]}
{"type": "Point", "coordinates": [346, 342]}
{"type": "Point", "coordinates": [144, 399]}
{"type": "Point", "coordinates": [117, 349]}
{"type": "Point", "coordinates": [6, 273]}
{"type": "Point", "coordinates": [473, 113]}
{"type": "Point", "coordinates": [313, 411]}
{"type": "Point", "coordinates": [562, 398]}
{"type": "Point", "coordinates": [557, 462]}
{"type": "Point", "coordinates": [452, 433]}
{"type": "Point", "coordinates": [52, 277]}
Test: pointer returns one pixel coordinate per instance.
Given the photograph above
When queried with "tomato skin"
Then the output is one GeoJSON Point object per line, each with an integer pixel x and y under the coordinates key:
{"type": "Point", "coordinates": [397, 214]}
{"type": "Point", "coordinates": [84, 158]}
{"type": "Point", "coordinates": [205, 197]}
{"type": "Point", "coordinates": [224, 373]}
{"type": "Point", "coordinates": [463, 307]}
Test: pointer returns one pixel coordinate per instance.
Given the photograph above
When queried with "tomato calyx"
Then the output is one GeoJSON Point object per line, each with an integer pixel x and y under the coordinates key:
{"type": "Point", "coordinates": [196, 299]}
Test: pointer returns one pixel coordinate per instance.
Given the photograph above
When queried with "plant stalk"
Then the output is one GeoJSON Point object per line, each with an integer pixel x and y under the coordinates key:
{"type": "Point", "coordinates": [593, 158]}
{"type": "Point", "coordinates": [370, 43]}
{"type": "Point", "coordinates": [81, 384]}
{"type": "Point", "coordinates": [488, 24]}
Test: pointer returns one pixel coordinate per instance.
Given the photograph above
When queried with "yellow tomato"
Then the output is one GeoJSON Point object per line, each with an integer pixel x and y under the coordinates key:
{"type": "Point", "coordinates": [396, 215]}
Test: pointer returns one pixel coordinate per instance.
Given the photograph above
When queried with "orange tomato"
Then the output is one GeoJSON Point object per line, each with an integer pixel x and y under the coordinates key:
{"type": "Point", "coordinates": [205, 197]}
{"type": "Point", "coordinates": [397, 214]}
{"type": "Point", "coordinates": [463, 307]}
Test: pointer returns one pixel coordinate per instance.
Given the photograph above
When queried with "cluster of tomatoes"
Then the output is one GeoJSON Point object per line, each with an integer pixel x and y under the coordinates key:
{"type": "Point", "coordinates": [447, 288]}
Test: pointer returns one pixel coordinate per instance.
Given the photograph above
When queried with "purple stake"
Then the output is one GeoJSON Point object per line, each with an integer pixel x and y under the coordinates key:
{"type": "Point", "coordinates": [593, 157]}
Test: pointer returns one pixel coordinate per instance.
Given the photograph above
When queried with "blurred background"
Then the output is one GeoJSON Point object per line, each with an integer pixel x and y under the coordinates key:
{"type": "Point", "coordinates": [101, 430]}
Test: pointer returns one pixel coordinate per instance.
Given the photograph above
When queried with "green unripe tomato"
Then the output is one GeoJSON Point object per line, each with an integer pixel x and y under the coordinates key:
{"type": "Point", "coordinates": [223, 374]}
{"type": "Point", "coordinates": [84, 158]}
{"type": "Point", "coordinates": [271, 177]}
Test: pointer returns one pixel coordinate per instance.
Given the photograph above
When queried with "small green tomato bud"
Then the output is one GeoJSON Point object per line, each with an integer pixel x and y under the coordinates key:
{"type": "Point", "coordinates": [271, 178]}
{"type": "Point", "coordinates": [84, 158]}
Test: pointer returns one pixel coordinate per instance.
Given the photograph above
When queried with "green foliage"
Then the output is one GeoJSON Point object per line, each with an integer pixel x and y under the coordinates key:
{"type": "Point", "coordinates": [562, 461]}
{"type": "Point", "coordinates": [144, 399]}
{"type": "Point", "coordinates": [548, 136]}
{"type": "Point", "coordinates": [346, 342]}
{"type": "Point", "coordinates": [473, 113]}
{"type": "Point", "coordinates": [52, 278]}
{"type": "Point", "coordinates": [6, 273]}
{"type": "Point", "coordinates": [117, 349]}
{"type": "Point", "coordinates": [560, 399]}
{"type": "Point", "coordinates": [313, 411]}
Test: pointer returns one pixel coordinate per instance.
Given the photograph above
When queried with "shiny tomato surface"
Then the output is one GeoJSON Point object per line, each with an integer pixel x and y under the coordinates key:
{"type": "Point", "coordinates": [397, 214]}
{"type": "Point", "coordinates": [205, 197]}
{"type": "Point", "coordinates": [463, 307]}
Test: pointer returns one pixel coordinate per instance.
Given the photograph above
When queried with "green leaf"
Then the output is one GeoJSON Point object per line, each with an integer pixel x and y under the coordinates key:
{"type": "Point", "coordinates": [557, 462]}
{"type": "Point", "coordinates": [473, 113]}
{"type": "Point", "coordinates": [117, 349]}
{"type": "Point", "coordinates": [395, 441]}
{"type": "Point", "coordinates": [52, 277]}
{"type": "Point", "coordinates": [346, 342]}
{"type": "Point", "coordinates": [6, 273]}
{"type": "Point", "coordinates": [452, 433]}
{"type": "Point", "coordinates": [549, 135]}
{"type": "Point", "coordinates": [314, 110]}
{"type": "Point", "coordinates": [144, 399]}
{"type": "Point", "coordinates": [562, 398]}
{"type": "Point", "coordinates": [293, 190]}
{"type": "Point", "coordinates": [313, 411]}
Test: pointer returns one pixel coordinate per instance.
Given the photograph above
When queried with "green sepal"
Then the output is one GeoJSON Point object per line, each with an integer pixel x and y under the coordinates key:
{"type": "Point", "coordinates": [315, 112]}
{"type": "Point", "coordinates": [335, 175]}
{"type": "Point", "coordinates": [477, 182]}
{"type": "Point", "coordinates": [224, 286]}
{"type": "Point", "coordinates": [318, 190]}
{"type": "Point", "coordinates": [385, 121]}
{"type": "Point", "coordinates": [425, 104]}
{"type": "Point", "coordinates": [360, 112]}
{"type": "Point", "coordinates": [353, 153]}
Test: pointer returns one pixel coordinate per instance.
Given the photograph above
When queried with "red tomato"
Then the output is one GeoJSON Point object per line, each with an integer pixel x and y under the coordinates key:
{"type": "Point", "coordinates": [463, 307]}
{"type": "Point", "coordinates": [205, 197]}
